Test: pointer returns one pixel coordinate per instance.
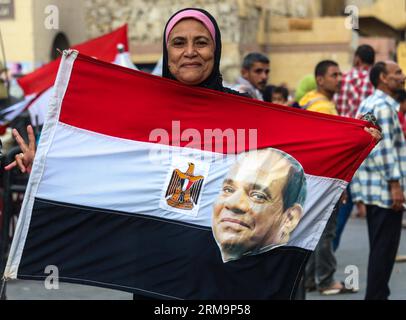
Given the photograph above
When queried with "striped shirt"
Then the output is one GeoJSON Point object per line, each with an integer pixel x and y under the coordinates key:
{"type": "Point", "coordinates": [387, 161]}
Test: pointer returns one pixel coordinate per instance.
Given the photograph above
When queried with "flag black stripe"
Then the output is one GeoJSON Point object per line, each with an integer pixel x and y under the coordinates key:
{"type": "Point", "coordinates": [131, 253]}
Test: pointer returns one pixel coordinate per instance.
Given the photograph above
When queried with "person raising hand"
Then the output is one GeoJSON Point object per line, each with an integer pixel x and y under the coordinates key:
{"type": "Point", "coordinates": [25, 159]}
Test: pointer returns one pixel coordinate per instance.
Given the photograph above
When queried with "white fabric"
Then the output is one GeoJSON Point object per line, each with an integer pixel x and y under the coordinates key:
{"type": "Point", "coordinates": [158, 68]}
{"type": "Point", "coordinates": [124, 60]}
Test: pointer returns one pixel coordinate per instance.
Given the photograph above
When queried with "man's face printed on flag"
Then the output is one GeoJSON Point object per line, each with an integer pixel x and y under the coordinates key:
{"type": "Point", "coordinates": [250, 214]}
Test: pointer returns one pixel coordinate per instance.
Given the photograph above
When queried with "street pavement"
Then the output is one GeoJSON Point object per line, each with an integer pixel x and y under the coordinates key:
{"type": "Point", "coordinates": [353, 251]}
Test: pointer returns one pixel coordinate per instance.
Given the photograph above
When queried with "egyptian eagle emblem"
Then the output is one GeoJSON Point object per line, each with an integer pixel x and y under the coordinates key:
{"type": "Point", "coordinates": [184, 189]}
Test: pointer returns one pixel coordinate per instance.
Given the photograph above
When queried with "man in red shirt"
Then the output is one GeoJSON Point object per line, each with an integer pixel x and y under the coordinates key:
{"type": "Point", "coordinates": [355, 85]}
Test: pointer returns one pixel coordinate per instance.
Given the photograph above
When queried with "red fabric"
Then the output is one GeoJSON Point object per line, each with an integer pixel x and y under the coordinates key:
{"type": "Point", "coordinates": [402, 122]}
{"type": "Point", "coordinates": [120, 102]}
{"type": "Point", "coordinates": [3, 130]}
{"type": "Point", "coordinates": [104, 48]}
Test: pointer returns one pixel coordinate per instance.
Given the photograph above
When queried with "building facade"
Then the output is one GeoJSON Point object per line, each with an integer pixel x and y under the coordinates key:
{"type": "Point", "coordinates": [38, 27]}
{"type": "Point", "coordinates": [245, 24]}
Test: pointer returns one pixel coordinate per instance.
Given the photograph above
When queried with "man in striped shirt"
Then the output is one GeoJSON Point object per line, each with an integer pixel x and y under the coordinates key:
{"type": "Point", "coordinates": [379, 183]}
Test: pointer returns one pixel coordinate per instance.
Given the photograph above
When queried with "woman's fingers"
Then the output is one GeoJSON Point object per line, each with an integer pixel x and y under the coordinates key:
{"type": "Point", "coordinates": [15, 164]}
{"type": "Point", "coordinates": [20, 141]}
{"type": "Point", "coordinates": [24, 160]}
{"type": "Point", "coordinates": [19, 159]}
{"type": "Point", "coordinates": [31, 138]}
{"type": "Point", "coordinates": [374, 133]}
{"type": "Point", "coordinates": [10, 166]}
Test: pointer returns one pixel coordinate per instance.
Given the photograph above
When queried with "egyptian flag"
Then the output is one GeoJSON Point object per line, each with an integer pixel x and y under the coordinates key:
{"type": "Point", "coordinates": [132, 168]}
{"type": "Point", "coordinates": [103, 48]}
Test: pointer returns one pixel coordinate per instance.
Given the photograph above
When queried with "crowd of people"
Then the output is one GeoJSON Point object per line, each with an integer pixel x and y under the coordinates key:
{"type": "Point", "coordinates": [191, 55]}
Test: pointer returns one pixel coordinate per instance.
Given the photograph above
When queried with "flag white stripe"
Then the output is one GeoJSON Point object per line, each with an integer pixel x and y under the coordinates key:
{"type": "Point", "coordinates": [128, 176]}
{"type": "Point", "coordinates": [322, 195]}
{"type": "Point", "coordinates": [21, 232]}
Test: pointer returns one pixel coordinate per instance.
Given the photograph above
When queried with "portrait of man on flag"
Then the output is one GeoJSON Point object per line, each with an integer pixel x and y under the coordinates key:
{"type": "Point", "coordinates": [260, 203]}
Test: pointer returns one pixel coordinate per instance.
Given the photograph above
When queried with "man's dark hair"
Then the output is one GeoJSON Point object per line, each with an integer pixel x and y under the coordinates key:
{"type": "Point", "coordinates": [295, 190]}
{"type": "Point", "coordinates": [376, 71]}
{"type": "Point", "coordinates": [322, 67]}
{"type": "Point", "coordinates": [401, 96]}
{"type": "Point", "coordinates": [282, 91]}
{"type": "Point", "coordinates": [253, 57]}
{"type": "Point", "coordinates": [366, 53]}
{"type": "Point", "coordinates": [267, 92]}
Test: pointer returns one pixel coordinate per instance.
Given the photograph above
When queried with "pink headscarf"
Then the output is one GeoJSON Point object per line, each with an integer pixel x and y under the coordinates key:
{"type": "Point", "coordinates": [199, 16]}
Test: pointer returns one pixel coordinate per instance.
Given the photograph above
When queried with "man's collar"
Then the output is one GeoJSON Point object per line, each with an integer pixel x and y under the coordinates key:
{"type": "Point", "coordinates": [323, 95]}
{"type": "Point", "coordinates": [364, 68]}
{"type": "Point", "coordinates": [391, 101]}
{"type": "Point", "coordinates": [242, 80]}
{"type": "Point", "coordinates": [360, 70]}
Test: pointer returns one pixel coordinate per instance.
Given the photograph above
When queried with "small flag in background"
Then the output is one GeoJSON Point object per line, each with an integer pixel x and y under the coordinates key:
{"type": "Point", "coordinates": [37, 85]}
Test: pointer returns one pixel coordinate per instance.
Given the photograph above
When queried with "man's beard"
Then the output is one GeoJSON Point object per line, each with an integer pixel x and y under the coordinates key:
{"type": "Point", "coordinates": [235, 249]}
{"type": "Point", "coordinates": [261, 86]}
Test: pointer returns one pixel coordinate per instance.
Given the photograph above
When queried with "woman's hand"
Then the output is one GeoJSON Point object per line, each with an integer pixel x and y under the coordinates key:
{"type": "Point", "coordinates": [25, 159]}
{"type": "Point", "coordinates": [375, 133]}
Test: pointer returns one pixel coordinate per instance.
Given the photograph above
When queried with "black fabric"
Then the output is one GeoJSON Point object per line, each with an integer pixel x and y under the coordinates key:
{"type": "Point", "coordinates": [384, 230]}
{"type": "Point", "coordinates": [150, 257]}
{"type": "Point", "coordinates": [215, 80]}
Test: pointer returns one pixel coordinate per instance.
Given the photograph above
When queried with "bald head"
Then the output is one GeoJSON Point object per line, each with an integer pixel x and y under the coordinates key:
{"type": "Point", "coordinates": [388, 77]}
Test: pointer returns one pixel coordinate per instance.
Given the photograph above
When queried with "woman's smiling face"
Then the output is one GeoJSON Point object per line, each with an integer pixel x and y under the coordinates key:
{"type": "Point", "coordinates": [190, 52]}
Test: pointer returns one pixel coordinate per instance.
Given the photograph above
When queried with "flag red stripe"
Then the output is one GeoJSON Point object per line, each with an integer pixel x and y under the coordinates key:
{"type": "Point", "coordinates": [128, 104]}
{"type": "Point", "coordinates": [104, 48]}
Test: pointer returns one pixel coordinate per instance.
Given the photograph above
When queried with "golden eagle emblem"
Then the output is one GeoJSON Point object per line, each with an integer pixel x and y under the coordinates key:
{"type": "Point", "coordinates": [184, 189]}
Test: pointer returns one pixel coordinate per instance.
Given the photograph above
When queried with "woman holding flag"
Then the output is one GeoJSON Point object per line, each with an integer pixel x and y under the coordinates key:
{"type": "Point", "coordinates": [191, 56]}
